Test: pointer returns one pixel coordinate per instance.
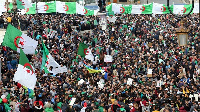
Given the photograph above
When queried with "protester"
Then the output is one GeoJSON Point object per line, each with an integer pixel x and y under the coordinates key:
{"type": "Point", "coordinates": [136, 43]}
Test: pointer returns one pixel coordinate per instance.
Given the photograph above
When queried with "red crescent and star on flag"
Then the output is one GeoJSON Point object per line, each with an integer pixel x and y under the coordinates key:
{"type": "Point", "coordinates": [143, 8]}
{"type": "Point", "coordinates": [46, 7]}
{"type": "Point", "coordinates": [28, 70]}
{"type": "Point", "coordinates": [122, 10]}
{"type": "Point", "coordinates": [184, 10]}
{"type": "Point", "coordinates": [163, 9]}
{"type": "Point", "coordinates": [21, 41]}
{"type": "Point", "coordinates": [66, 7]}
{"type": "Point", "coordinates": [86, 11]}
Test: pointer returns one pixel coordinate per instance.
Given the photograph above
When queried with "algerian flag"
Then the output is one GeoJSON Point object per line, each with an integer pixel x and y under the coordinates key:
{"type": "Point", "coordinates": [25, 72]}
{"type": "Point", "coordinates": [89, 55]}
{"type": "Point", "coordinates": [82, 49]}
{"type": "Point", "coordinates": [111, 17]}
{"type": "Point", "coordinates": [182, 9]}
{"type": "Point", "coordinates": [142, 9]}
{"type": "Point", "coordinates": [22, 4]}
{"type": "Point", "coordinates": [66, 7]}
{"type": "Point", "coordinates": [161, 9]}
{"type": "Point", "coordinates": [84, 11]}
{"type": "Point", "coordinates": [48, 62]}
{"type": "Point", "coordinates": [89, 12]}
{"type": "Point", "coordinates": [46, 7]}
{"type": "Point", "coordinates": [126, 9]}
{"type": "Point", "coordinates": [196, 8]}
{"type": "Point", "coordinates": [109, 8]}
{"type": "Point", "coordinates": [80, 9]}
{"type": "Point", "coordinates": [15, 39]}
{"type": "Point", "coordinates": [31, 10]}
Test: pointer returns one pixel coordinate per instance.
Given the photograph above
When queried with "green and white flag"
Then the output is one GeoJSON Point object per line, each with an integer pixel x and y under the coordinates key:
{"type": "Point", "coordinates": [31, 10]}
{"type": "Point", "coordinates": [84, 11]}
{"type": "Point", "coordinates": [161, 9]}
{"type": "Point", "coordinates": [46, 7]}
{"type": "Point", "coordinates": [142, 9]}
{"type": "Point", "coordinates": [116, 8]}
{"type": "Point", "coordinates": [15, 39]}
{"type": "Point", "coordinates": [196, 8]}
{"type": "Point", "coordinates": [126, 9]}
{"type": "Point", "coordinates": [66, 7]}
{"type": "Point", "coordinates": [182, 9]}
{"type": "Point", "coordinates": [49, 65]}
{"type": "Point", "coordinates": [23, 4]}
{"type": "Point", "coordinates": [25, 74]}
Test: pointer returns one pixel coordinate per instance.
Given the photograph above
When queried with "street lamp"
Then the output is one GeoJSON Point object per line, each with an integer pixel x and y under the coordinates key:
{"type": "Point", "coordinates": [182, 32]}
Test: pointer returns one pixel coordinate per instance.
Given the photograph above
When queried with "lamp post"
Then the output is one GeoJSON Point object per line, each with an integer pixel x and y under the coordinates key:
{"type": "Point", "coordinates": [182, 32]}
{"type": "Point", "coordinates": [14, 7]}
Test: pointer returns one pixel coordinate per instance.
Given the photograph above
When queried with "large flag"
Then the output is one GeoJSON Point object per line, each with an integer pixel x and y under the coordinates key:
{"type": "Point", "coordinates": [142, 9]}
{"type": "Point", "coordinates": [25, 72]}
{"type": "Point", "coordinates": [126, 9]}
{"type": "Point", "coordinates": [22, 4]}
{"type": "Point", "coordinates": [49, 64]}
{"type": "Point", "coordinates": [82, 50]}
{"type": "Point", "coordinates": [116, 8]}
{"type": "Point", "coordinates": [31, 10]}
{"type": "Point", "coordinates": [196, 8]}
{"type": "Point", "coordinates": [46, 7]}
{"type": "Point", "coordinates": [66, 7]}
{"type": "Point", "coordinates": [182, 9]}
{"type": "Point", "coordinates": [84, 11]}
{"type": "Point", "coordinates": [15, 39]}
{"type": "Point", "coordinates": [161, 9]}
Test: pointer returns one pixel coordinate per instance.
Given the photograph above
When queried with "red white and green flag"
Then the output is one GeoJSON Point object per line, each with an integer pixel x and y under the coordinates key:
{"type": "Point", "coordinates": [66, 7]}
{"type": "Point", "coordinates": [142, 9]}
{"type": "Point", "coordinates": [23, 4]}
{"type": "Point", "coordinates": [46, 7]}
{"type": "Point", "coordinates": [84, 11]}
{"type": "Point", "coordinates": [182, 9]}
{"type": "Point", "coordinates": [49, 65]}
{"type": "Point", "coordinates": [82, 49]}
{"type": "Point", "coordinates": [32, 9]}
{"type": "Point", "coordinates": [15, 39]}
{"type": "Point", "coordinates": [161, 9]}
{"type": "Point", "coordinates": [25, 74]}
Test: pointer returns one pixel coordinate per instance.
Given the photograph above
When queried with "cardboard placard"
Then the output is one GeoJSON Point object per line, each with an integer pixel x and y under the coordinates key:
{"type": "Point", "coordinates": [149, 73]}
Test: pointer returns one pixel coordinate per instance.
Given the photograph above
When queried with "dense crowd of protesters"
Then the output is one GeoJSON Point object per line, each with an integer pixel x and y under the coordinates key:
{"type": "Point", "coordinates": [136, 43]}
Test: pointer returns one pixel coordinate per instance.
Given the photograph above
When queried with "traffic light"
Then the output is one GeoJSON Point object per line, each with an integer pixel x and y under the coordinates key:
{"type": "Point", "coordinates": [102, 5]}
